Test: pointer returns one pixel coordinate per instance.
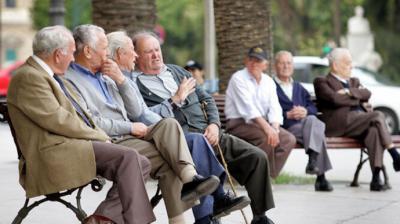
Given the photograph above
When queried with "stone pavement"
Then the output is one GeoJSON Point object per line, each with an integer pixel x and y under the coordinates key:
{"type": "Point", "coordinates": [294, 203]}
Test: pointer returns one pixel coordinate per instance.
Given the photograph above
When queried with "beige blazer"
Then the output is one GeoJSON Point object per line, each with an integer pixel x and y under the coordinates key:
{"type": "Point", "coordinates": [57, 152]}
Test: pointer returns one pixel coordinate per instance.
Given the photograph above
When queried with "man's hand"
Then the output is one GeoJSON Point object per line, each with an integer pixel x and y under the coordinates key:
{"type": "Point", "coordinates": [212, 134]}
{"type": "Point", "coordinates": [186, 87]}
{"type": "Point", "coordinates": [272, 136]}
{"type": "Point", "coordinates": [297, 113]}
{"type": "Point", "coordinates": [111, 69]}
{"type": "Point", "coordinates": [139, 129]}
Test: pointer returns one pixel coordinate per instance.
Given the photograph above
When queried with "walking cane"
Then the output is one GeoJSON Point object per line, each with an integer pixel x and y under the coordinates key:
{"type": "Point", "coordinates": [203, 108]}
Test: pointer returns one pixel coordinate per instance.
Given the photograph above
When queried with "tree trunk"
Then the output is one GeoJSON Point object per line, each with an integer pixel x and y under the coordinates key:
{"type": "Point", "coordinates": [129, 15]}
{"type": "Point", "coordinates": [239, 26]}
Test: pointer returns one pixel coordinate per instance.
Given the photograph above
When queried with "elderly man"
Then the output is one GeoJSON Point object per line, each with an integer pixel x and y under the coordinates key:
{"type": "Point", "coordinates": [174, 88]}
{"type": "Point", "coordinates": [300, 119]}
{"type": "Point", "coordinates": [61, 151]}
{"type": "Point", "coordinates": [107, 94]}
{"type": "Point", "coordinates": [253, 111]}
{"type": "Point", "coordinates": [122, 52]}
{"type": "Point", "coordinates": [341, 100]}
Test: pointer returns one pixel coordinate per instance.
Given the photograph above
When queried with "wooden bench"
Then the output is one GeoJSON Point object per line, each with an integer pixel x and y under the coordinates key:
{"type": "Point", "coordinates": [96, 184]}
{"type": "Point", "coordinates": [341, 143]}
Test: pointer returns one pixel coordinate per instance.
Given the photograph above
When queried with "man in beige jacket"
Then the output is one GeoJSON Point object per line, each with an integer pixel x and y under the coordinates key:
{"type": "Point", "coordinates": [62, 151]}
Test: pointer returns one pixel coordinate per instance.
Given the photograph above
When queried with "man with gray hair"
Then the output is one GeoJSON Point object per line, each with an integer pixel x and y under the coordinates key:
{"type": "Point", "coordinates": [107, 95]}
{"type": "Point", "coordinates": [219, 203]}
{"type": "Point", "coordinates": [299, 114]}
{"type": "Point", "coordinates": [341, 99]}
{"type": "Point", "coordinates": [59, 149]}
{"type": "Point", "coordinates": [174, 87]}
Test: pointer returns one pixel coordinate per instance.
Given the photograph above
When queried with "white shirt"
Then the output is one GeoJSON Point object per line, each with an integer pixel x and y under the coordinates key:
{"type": "Point", "coordinates": [248, 100]}
{"type": "Point", "coordinates": [43, 65]}
{"type": "Point", "coordinates": [287, 87]}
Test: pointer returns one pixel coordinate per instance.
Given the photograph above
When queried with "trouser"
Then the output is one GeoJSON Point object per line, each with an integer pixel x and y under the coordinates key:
{"type": "Point", "coordinates": [310, 132]}
{"type": "Point", "coordinates": [371, 129]}
{"type": "Point", "coordinates": [249, 166]}
{"type": "Point", "coordinates": [127, 200]}
{"type": "Point", "coordinates": [166, 148]}
{"type": "Point", "coordinates": [253, 134]}
{"type": "Point", "coordinates": [206, 164]}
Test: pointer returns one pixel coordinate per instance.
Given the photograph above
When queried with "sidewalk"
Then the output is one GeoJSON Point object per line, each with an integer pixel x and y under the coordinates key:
{"type": "Point", "coordinates": [294, 203]}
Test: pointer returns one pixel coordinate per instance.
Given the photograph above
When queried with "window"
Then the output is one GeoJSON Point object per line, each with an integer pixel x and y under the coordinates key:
{"type": "Point", "coordinates": [10, 4]}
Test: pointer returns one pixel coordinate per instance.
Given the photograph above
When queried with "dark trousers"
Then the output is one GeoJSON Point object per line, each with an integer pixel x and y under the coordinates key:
{"type": "Point", "coordinates": [249, 166]}
{"type": "Point", "coordinates": [127, 201]}
{"type": "Point", "coordinates": [371, 129]}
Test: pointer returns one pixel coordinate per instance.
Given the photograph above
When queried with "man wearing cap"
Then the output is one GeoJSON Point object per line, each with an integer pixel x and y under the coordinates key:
{"type": "Point", "coordinates": [253, 111]}
{"type": "Point", "coordinates": [196, 69]}
{"type": "Point", "coordinates": [170, 85]}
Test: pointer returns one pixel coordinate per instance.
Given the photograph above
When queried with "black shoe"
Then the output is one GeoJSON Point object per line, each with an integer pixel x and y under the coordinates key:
{"type": "Point", "coordinates": [323, 185]}
{"type": "Point", "coordinates": [377, 186]}
{"type": "Point", "coordinates": [263, 220]}
{"type": "Point", "coordinates": [199, 187]}
{"type": "Point", "coordinates": [228, 203]}
{"type": "Point", "coordinates": [396, 165]}
{"type": "Point", "coordinates": [311, 167]}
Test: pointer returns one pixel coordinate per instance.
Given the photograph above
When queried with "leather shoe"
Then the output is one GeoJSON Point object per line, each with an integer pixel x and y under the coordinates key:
{"type": "Point", "coordinates": [228, 203]}
{"type": "Point", "coordinates": [396, 165]}
{"type": "Point", "coordinates": [263, 220]}
{"type": "Point", "coordinates": [311, 167]}
{"type": "Point", "coordinates": [323, 185]}
{"type": "Point", "coordinates": [377, 186]}
{"type": "Point", "coordinates": [97, 219]}
{"type": "Point", "coordinates": [199, 187]}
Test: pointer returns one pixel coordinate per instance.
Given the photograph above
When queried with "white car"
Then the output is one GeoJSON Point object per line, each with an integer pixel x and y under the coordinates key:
{"type": "Point", "coordinates": [384, 98]}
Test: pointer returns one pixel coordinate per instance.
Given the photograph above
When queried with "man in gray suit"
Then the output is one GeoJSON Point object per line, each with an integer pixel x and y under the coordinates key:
{"type": "Point", "coordinates": [104, 90]}
{"type": "Point", "coordinates": [300, 119]}
{"type": "Point", "coordinates": [61, 151]}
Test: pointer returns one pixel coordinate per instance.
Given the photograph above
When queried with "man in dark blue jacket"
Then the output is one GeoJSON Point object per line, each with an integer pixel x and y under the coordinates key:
{"type": "Point", "coordinates": [300, 119]}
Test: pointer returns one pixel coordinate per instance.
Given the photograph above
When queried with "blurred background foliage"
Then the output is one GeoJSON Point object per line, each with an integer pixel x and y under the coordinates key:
{"type": "Point", "coordinates": [301, 26]}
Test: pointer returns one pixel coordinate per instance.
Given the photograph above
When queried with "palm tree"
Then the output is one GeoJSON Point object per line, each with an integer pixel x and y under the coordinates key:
{"type": "Point", "coordinates": [239, 25]}
{"type": "Point", "coordinates": [130, 15]}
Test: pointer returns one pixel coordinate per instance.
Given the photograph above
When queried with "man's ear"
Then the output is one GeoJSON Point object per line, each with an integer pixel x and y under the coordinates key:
{"type": "Point", "coordinates": [87, 52]}
{"type": "Point", "coordinates": [57, 55]}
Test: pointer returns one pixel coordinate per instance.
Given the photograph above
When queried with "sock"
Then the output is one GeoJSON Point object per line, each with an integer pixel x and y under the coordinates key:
{"type": "Point", "coordinates": [375, 174]}
{"type": "Point", "coordinates": [393, 152]}
{"type": "Point", "coordinates": [259, 216]}
{"type": "Point", "coordinates": [321, 177]}
{"type": "Point", "coordinates": [312, 155]}
{"type": "Point", "coordinates": [187, 174]}
{"type": "Point", "coordinates": [219, 192]}
{"type": "Point", "coordinates": [179, 219]}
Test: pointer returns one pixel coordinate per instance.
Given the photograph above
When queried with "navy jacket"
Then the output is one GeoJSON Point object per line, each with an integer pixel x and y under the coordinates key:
{"type": "Point", "coordinates": [301, 97]}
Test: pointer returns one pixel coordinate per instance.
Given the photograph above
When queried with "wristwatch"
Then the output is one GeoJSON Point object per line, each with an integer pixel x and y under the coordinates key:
{"type": "Point", "coordinates": [173, 104]}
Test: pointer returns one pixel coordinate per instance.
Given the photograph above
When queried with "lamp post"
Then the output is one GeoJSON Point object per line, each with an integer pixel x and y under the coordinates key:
{"type": "Point", "coordinates": [56, 12]}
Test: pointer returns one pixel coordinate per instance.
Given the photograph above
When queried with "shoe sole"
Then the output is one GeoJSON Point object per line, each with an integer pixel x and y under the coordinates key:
{"type": "Point", "coordinates": [203, 189]}
{"type": "Point", "coordinates": [241, 204]}
{"type": "Point", "coordinates": [316, 171]}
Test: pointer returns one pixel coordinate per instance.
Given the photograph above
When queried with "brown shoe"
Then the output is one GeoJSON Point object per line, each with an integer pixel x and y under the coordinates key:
{"type": "Point", "coordinates": [97, 219]}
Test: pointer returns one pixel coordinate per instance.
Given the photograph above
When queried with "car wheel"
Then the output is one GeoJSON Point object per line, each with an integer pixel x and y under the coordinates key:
{"type": "Point", "coordinates": [390, 119]}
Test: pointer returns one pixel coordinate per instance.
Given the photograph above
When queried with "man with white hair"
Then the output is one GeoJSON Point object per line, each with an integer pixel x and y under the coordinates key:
{"type": "Point", "coordinates": [107, 95]}
{"type": "Point", "coordinates": [59, 149]}
{"type": "Point", "coordinates": [219, 203]}
{"type": "Point", "coordinates": [341, 99]}
{"type": "Point", "coordinates": [299, 114]}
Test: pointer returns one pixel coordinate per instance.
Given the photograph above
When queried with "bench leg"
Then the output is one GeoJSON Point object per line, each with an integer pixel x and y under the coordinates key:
{"type": "Point", "coordinates": [354, 183]}
{"type": "Point", "coordinates": [23, 212]}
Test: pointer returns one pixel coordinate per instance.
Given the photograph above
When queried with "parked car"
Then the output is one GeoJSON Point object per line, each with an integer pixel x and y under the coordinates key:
{"type": "Point", "coordinates": [5, 77]}
{"type": "Point", "coordinates": [384, 98]}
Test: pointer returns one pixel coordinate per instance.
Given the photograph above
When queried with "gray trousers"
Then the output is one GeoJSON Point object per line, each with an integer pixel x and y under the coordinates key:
{"type": "Point", "coordinates": [126, 201]}
{"type": "Point", "coordinates": [310, 132]}
{"type": "Point", "coordinates": [371, 129]}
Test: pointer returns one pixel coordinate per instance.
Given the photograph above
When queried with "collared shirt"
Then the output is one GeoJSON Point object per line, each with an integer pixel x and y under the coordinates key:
{"type": "Point", "coordinates": [95, 79]}
{"type": "Point", "coordinates": [287, 87]}
{"type": "Point", "coordinates": [163, 84]}
{"type": "Point", "coordinates": [247, 99]}
{"type": "Point", "coordinates": [43, 65]}
{"type": "Point", "coordinates": [340, 78]}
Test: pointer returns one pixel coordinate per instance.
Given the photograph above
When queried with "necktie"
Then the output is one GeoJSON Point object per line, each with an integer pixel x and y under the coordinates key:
{"type": "Point", "coordinates": [74, 103]}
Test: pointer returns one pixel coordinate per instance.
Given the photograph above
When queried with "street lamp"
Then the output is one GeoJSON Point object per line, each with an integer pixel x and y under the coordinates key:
{"type": "Point", "coordinates": [56, 12]}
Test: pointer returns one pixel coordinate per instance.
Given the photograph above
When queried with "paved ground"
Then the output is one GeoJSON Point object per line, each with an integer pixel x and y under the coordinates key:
{"type": "Point", "coordinates": [294, 203]}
